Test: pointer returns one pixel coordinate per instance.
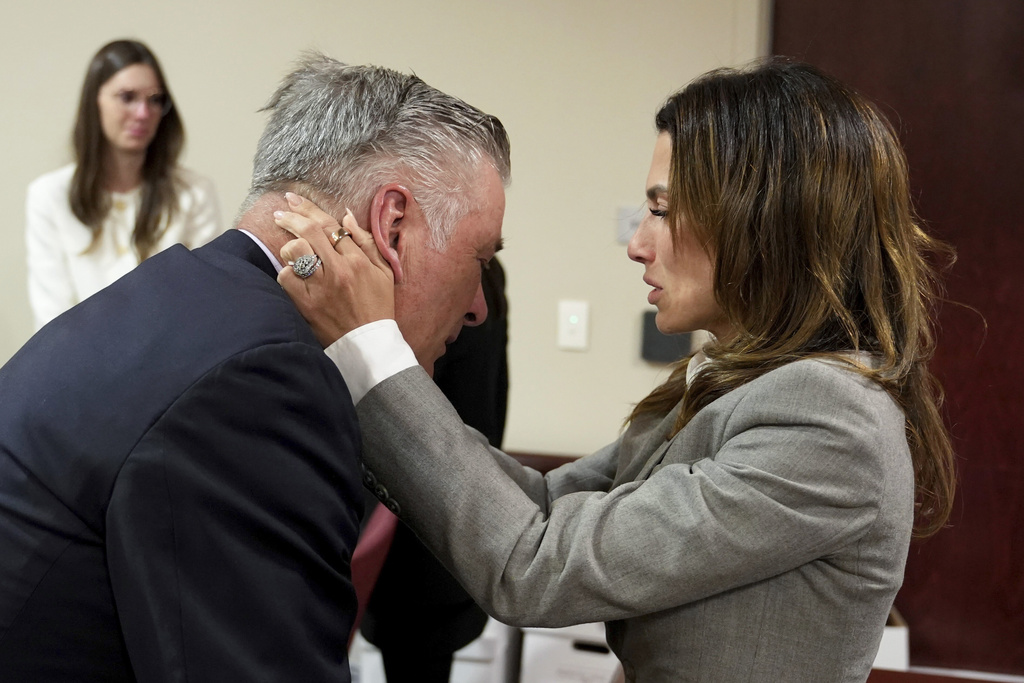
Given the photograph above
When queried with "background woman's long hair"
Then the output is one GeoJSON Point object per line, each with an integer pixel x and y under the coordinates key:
{"type": "Point", "coordinates": [799, 188]}
{"type": "Point", "coordinates": [89, 201]}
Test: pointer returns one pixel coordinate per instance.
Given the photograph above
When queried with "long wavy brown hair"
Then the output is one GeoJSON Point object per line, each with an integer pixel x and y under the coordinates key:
{"type": "Point", "coordinates": [799, 188]}
{"type": "Point", "coordinates": [89, 201]}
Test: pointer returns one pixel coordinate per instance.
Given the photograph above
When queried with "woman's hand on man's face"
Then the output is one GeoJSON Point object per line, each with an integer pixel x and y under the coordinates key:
{"type": "Point", "coordinates": [353, 284]}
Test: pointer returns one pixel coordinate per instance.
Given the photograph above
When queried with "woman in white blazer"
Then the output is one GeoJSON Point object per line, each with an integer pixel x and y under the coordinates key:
{"type": "Point", "coordinates": [753, 520]}
{"type": "Point", "coordinates": [125, 197]}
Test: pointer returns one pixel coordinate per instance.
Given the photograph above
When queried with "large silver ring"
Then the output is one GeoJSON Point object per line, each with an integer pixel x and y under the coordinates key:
{"type": "Point", "coordinates": [304, 266]}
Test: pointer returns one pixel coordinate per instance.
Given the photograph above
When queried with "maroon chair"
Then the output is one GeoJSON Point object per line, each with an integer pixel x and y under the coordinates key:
{"type": "Point", "coordinates": [368, 558]}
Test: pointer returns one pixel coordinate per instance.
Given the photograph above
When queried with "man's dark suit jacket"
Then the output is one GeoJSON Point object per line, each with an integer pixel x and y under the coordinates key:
{"type": "Point", "coordinates": [179, 484]}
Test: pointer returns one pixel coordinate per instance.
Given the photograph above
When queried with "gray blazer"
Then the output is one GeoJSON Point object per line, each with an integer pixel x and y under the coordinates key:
{"type": "Point", "coordinates": [764, 542]}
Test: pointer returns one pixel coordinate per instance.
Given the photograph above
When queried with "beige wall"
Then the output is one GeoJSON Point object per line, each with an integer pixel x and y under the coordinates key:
{"type": "Point", "coordinates": [575, 82]}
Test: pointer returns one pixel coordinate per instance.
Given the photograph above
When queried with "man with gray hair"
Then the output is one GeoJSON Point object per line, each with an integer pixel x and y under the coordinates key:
{"type": "Point", "coordinates": [412, 164]}
{"type": "Point", "coordinates": [180, 490]}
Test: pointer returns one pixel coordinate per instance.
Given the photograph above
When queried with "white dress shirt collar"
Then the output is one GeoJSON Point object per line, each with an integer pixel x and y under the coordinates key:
{"type": "Point", "coordinates": [273, 259]}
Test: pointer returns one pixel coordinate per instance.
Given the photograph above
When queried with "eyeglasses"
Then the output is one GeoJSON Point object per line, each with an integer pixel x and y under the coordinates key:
{"type": "Point", "coordinates": [157, 103]}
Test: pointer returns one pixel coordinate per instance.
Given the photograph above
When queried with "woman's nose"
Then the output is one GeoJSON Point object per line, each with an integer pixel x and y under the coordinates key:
{"type": "Point", "coordinates": [637, 248]}
{"type": "Point", "coordinates": [142, 110]}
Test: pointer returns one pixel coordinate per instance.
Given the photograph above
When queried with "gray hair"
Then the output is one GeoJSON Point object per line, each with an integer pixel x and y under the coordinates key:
{"type": "Point", "coordinates": [343, 131]}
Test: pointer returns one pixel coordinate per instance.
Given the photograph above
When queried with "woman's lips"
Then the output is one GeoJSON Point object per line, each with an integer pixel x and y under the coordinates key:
{"type": "Point", "coordinates": [655, 294]}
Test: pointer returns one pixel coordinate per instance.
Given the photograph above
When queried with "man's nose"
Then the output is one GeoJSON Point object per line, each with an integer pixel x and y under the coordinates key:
{"type": "Point", "coordinates": [477, 312]}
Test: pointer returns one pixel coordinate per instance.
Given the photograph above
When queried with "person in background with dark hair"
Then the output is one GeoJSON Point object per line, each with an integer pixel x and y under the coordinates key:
{"type": "Point", "coordinates": [753, 521]}
{"type": "Point", "coordinates": [419, 615]}
{"type": "Point", "coordinates": [125, 198]}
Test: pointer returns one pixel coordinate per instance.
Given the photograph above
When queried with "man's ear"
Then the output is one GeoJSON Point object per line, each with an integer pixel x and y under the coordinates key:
{"type": "Point", "coordinates": [387, 211]}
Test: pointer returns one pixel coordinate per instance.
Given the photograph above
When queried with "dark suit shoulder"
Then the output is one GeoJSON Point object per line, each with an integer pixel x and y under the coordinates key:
{"type": "Point", "coordinates": [90, 383]}
{"type": "Point", "coordinates": [196, 354]}
{"type": "Point", "coordinates": [234, 520]}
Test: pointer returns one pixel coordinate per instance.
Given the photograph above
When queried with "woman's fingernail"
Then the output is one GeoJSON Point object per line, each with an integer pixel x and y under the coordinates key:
{"type": "Point", "coordinates": [293, 198]}
{"type": "Point", "coordinates": [279, 214]}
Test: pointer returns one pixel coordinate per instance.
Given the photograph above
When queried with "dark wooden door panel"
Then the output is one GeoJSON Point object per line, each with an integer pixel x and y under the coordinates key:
{"type": "Point", "coordinates": [950, 74]}
{"type": "Point", "coordinates": [882, 676]}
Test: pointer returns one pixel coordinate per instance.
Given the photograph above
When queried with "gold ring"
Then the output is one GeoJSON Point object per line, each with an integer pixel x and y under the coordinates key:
{"type": "Point", "coordinates": [335, 237]}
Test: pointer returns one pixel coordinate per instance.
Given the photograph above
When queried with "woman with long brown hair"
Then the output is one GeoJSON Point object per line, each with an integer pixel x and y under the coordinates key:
{"type": "Point", "coordinates": [753, 521]}
{"type": "Point", "coordinates": [125, 197]}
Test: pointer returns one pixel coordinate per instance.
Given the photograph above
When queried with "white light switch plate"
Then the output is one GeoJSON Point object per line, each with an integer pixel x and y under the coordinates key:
{"type": "Point", "coordinates": [573, 324]}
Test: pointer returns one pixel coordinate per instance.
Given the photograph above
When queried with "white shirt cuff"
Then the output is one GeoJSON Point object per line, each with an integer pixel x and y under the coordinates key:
{"type": "Point", "coordinates": [370, 354]}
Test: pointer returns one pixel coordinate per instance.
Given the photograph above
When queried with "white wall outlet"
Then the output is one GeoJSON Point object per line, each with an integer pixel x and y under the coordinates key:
{"type": "Point", "coordinates": [573, 324]}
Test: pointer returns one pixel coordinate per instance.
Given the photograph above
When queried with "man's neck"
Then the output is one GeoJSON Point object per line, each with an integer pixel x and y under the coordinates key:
{"type": "Point", "coordinates": [259, 220]}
